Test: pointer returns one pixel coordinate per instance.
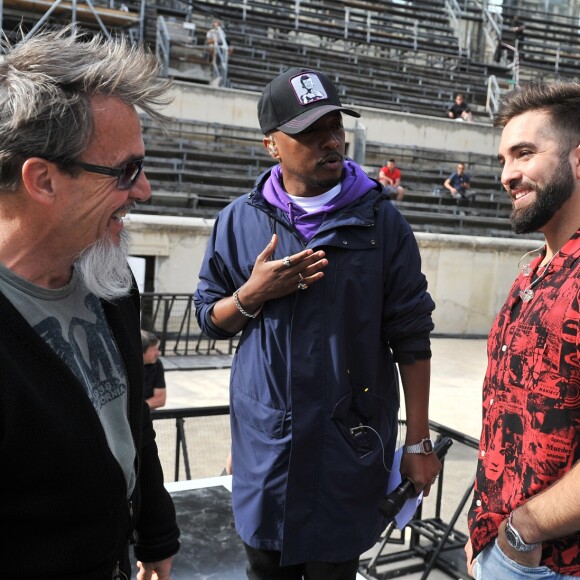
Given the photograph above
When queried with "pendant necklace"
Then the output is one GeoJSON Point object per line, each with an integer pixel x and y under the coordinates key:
{"type": "Point", "coordinates": [528, 293]}
{"type": "Point", "coordinates": [525, 269]}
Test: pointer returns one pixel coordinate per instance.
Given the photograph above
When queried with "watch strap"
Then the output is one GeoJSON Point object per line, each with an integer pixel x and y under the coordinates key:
{"type": "Point", "coordinates": [424, 447]}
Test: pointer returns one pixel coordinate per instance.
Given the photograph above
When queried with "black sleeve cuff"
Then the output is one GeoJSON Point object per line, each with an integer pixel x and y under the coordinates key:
{"type": "Point", "coordinates": [407, 358]}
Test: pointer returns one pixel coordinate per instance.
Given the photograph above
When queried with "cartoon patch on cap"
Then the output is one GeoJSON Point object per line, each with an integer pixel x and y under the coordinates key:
{"type": "Point", "coordinates": [308, 88]}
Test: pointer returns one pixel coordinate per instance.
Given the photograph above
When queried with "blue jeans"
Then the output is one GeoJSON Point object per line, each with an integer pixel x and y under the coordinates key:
{"type": "Point", "coordinates": [493, 564]}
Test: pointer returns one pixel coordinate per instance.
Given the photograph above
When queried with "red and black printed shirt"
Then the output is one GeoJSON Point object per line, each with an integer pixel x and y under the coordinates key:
{"type": "Point", "coordinates": [531, 403]}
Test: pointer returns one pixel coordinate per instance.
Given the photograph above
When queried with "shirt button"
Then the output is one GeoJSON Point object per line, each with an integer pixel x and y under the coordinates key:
{"type": "Point", "coordinates": [345, 242]}
{"type": "Point", "coordinates": [373, 242]}
{"type": "Point", "coordinates": [491, 401]}
{"type": "Point", "coordinates": [504, 348]}
{"type": "Point", "coordinates": [482, 453]}
{"type": "Point", "coordinates": [478, 503]}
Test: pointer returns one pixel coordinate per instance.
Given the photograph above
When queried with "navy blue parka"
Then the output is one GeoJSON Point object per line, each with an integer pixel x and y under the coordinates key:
{"type": "Point", "coordinates": [313, 365]}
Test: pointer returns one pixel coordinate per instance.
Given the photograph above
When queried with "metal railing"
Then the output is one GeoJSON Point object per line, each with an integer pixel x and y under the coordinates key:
{"type": "Point", "coordinates": [220, 56]}
{"type": "Point", "coordinates": [357, 24]}
{"type": "Point", "coordinates": [194, 442]}
{"type": "Point", "coordinates": [493, 95]}
{"type": "Point", "coordinates": [75, 7]}
{"type": "Point", "coordinates": [172, 318]}
{"type": "Point", "coordinates": [163, 45]}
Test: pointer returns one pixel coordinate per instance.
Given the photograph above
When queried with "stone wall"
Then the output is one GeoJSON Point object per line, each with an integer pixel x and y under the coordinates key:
{"type": "Point", "coordinates": [469, 277]}
{"type": "Point", "coordinates": [236, 107]}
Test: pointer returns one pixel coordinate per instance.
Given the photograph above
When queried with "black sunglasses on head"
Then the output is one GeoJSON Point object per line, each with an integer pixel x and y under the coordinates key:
{"type": "Point", "coordinates": [126, 174]}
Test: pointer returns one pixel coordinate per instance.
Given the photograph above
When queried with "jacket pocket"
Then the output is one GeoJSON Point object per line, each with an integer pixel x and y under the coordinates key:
{"type": "Point", "coordinates": [358, 418]}
{"type": "Point", "coordinates": [266, 419]}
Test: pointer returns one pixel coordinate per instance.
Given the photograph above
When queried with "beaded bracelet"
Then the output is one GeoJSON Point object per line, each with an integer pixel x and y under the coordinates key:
{"type": "Point", "coordinates": [241, 308]}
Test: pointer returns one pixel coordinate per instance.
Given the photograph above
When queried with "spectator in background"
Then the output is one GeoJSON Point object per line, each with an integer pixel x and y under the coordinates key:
{"type": "Point", "coordinates": [460, 110]}
{"type": "Point", "coordinates": [390, 177]}
{"type": "Point", "coordinates": [458, 183]}
{"type": "Point", "coordinates": [214, 37]}
{"type": "Point", "coordinates": [154, 390]}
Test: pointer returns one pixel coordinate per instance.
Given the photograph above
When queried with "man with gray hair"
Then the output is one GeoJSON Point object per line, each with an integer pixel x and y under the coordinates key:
{"type": "Point", "coordinates": [81, 475]}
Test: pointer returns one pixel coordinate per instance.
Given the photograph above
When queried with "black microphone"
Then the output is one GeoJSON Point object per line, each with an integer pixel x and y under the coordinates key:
{"type": "Point", "coordinates": [392, 504]}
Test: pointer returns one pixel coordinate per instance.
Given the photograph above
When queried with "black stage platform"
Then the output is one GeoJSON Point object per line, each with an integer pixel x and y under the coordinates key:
{"type": "Point", "coordinates": [210, 546]}
{"type": "Point", "coordinates": [212, 550]}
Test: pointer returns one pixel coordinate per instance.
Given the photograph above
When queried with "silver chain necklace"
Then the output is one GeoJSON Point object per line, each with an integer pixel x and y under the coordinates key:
{"type": "Point", "coordinates": [528, 293]}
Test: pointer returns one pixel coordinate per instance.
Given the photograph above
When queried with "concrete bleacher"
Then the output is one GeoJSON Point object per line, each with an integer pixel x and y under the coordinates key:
{"type": "Point", "coordinates": [401, 57]}
{"type": "Point", "coordinates": [406, 58]}
{"type": "Point", "coordinates": [428, 206]}
{"type": "Point", "coordinates": [551, 45]}
{"type": "Point", "coordinates": [197, 168]}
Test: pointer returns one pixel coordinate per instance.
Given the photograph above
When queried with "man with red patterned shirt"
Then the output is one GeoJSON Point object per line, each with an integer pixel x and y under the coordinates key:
{"type": "Point", "coordinates": [530, 439]}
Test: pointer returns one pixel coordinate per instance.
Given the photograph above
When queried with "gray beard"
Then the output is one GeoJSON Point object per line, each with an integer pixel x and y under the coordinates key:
{"type": "Point", "coordinates": [104, 269]}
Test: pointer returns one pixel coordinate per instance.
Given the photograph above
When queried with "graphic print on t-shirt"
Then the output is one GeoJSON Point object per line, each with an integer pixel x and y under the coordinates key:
{"type": "Point", "coordinates": [88, 349]}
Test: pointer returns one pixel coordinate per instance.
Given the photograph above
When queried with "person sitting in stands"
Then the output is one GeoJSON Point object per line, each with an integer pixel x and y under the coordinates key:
{"type": "Point", "coordinates": [390, 177]}
{"type": "Point", "coordinates": [460, 110]}
{"type": "Point", "coordinates": [458, 183]}
{"type": "Point", "coordinates": [154, 390]}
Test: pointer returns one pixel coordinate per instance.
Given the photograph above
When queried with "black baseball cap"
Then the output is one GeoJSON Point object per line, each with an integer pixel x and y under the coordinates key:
{"type": "Point", "coordinates": [297, 98]}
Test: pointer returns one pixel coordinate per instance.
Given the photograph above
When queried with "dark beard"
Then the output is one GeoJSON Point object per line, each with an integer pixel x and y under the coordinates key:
{"type": "Point", "coordinates": [549, 199]}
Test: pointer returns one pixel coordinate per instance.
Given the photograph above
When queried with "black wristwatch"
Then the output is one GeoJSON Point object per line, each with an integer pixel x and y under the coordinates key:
{"type": "Point", "coordinates": [425, 446]}
{"type": "Point", "coordinates": [515, 540]}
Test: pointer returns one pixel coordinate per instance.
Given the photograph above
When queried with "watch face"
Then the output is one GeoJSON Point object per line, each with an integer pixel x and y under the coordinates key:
{"type": "Point", "coordinates": [427, 445]}
{"type": "Point", "coordinates": [511, 538]}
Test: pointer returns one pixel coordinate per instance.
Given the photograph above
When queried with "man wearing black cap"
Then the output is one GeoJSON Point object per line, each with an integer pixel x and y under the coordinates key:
{"type": "Point", "coordinates": [322, 276]}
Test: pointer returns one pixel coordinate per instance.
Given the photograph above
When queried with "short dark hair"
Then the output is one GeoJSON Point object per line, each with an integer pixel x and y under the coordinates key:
{"type": "Point", "coordinates": [391, 161]}
{"type": "Point", "coordinates": [560, 100]}
{"type": "Point", "coordinates": [148, 339]}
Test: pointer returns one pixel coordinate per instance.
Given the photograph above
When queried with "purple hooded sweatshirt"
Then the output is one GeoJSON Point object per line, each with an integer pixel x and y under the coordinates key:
{"type": "Point", "coordinates": [354, 184]}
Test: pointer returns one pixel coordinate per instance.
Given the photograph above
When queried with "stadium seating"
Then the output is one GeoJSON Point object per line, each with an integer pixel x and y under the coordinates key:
{"type": "Point", "coordinates": [551, 45]}
{"type": "Point", "coordinates": [198, 168]}
{"type": "Point", "coordinates": [406, 58]}
{"type": "Point", "coordinates": [398, 56]}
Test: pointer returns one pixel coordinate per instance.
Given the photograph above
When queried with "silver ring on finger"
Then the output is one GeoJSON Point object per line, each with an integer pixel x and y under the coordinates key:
{"type": "Point", "coordinates": [286, 261]}
{"type": "Point", "coordinates": [302, 286]}
{"type": "Point", "coordinates": [300, 277]}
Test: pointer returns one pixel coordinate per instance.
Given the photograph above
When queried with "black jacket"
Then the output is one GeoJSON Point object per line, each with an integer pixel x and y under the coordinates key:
{"type": "Point", "coordinates": [64, 511]}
